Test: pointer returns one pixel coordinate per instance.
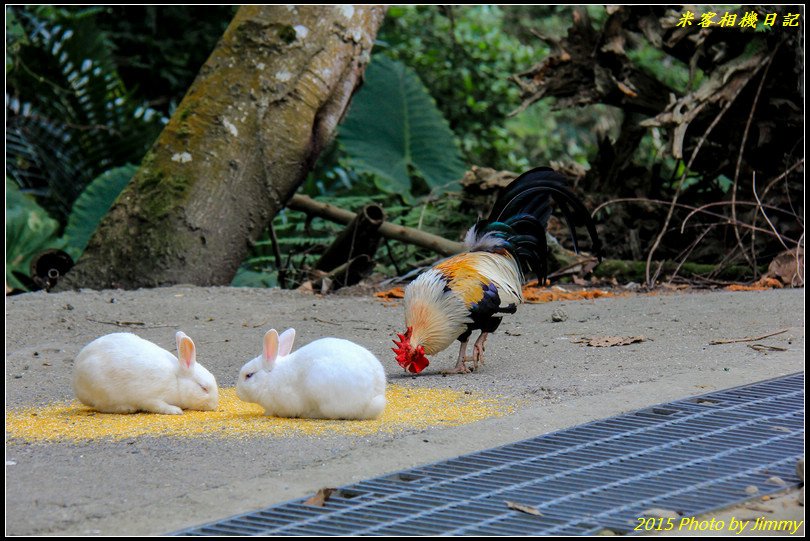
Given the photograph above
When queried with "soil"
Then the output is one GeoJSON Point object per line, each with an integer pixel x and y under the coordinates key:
{"type": "Point", "coordinates": [158, 484]}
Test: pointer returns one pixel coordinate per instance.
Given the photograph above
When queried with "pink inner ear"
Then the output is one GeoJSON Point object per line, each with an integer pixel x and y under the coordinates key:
{"type": "Point", "coordinates": [285, 342]}
{"type": "Point", "coordinates": [186, 352]}
{"type": "Point", "coordinates": [270, 346]}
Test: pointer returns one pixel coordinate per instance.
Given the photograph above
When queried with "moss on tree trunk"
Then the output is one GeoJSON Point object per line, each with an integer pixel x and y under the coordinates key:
{"type": "Point", "coordinates": [240, 143]}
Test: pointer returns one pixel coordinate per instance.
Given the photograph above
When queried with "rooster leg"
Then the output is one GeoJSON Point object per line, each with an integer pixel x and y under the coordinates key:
{"type": "Point", "coordinates": [460, 367]}
{"type": "Point", "coordinates": [478, 350]}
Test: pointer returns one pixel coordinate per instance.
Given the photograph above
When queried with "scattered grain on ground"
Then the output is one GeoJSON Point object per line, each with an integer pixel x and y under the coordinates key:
{"type": "Point", "coordinates": [407, 408]}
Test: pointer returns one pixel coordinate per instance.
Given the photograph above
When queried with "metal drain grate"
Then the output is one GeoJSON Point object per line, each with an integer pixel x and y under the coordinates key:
{"type": "Point", "coordinates": [692, 456]}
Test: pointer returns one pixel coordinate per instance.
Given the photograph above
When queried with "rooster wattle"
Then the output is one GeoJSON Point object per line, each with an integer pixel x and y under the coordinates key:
{"type": "Point", "coordinates": [472, 290]}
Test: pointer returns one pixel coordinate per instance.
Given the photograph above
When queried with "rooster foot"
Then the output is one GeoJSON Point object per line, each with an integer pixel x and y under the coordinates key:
{"type": "Point", "coordinates": [461, 367]}
{"type": "Point", "coordinates": [457, 370]}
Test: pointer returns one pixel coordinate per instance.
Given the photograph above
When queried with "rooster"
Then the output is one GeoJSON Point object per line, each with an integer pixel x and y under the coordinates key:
{"type": "Point", "coordinates": [474, 289]}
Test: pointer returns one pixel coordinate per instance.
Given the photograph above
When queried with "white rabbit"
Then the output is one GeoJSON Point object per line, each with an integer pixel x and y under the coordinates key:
{"type": "Point", "coordinates": [330, 378]}
{"type": "Point", "coordinates": [122, 373]}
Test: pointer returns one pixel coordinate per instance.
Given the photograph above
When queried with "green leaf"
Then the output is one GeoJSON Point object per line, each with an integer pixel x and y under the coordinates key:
{"type": "Point", "coordinates": [248, 278]}
{"type": "Point", "coordinates": [395, 131]}
{"type": "Point", "coordinates": [15, 35]}
{"type": "Point", "coordinates": [92, 205]}
{"type": "Point", "coordinates": [29, 231]}
{"type": "Point", "coordinates": [725, 183]}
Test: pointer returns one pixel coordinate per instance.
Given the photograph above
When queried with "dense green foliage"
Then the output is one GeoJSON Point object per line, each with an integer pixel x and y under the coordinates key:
{"type": "Point", "coordinates": [465, 56]}
{"type": "Point", "coordinates": [70, 116]}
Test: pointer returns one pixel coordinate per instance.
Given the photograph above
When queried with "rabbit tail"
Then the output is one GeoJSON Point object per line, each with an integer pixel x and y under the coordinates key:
{"type": "Point", "coordinates": [375, 407]}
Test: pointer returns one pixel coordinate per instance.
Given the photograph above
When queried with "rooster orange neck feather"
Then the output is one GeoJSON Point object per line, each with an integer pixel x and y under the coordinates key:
{"type": "Point", "coordinates": [466, 273]}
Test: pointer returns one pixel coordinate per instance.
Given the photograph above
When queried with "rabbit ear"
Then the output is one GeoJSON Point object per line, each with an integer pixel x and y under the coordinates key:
{"type": "Point", "coordinates": [186, 351]}
{"type": "Point", "coordinates": [285, 342]}
{"type": "Point", "coordinates": [270, 348]}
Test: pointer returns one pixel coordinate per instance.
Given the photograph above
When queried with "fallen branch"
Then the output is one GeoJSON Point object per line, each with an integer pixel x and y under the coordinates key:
{"type": "Point", "coordinates": [420, 238]}
{"type": "Point", "coordinates": [128, 323]}
{"type": "Point", "coordinates": [387, 229]}
{"type": "Point", "coordinates": [568, 260]}
{"type": "Point", "coordinates": [747, 339]}
{"type": "Point", "coordinates": [763, 347]}
{"type": "Point", "coordinates": [583, 265]}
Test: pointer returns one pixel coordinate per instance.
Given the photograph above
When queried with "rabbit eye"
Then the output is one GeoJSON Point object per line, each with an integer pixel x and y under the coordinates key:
{"type": "Point", "coordinates": [248, 376]}
{"type": "Point", "coordinates": [204, 388]}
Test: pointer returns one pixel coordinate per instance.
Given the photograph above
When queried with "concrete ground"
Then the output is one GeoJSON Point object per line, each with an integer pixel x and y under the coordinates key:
{"type": "Point", "coordinates": [155, 485]}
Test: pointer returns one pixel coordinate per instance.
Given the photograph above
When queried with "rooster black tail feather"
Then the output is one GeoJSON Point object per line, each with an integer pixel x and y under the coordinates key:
{"type": "Point", "coordinates": [521, 214]}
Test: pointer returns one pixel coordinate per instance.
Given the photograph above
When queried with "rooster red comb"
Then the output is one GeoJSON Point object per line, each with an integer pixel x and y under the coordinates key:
{"type": "Point", "coordinates": [411, 359]}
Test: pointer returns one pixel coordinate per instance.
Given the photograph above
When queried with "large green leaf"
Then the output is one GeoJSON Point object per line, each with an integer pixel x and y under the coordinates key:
{"type": "Point", "coordinates": [395, 131]}
{"type": "Point", "coordinates": [29, 231]}
{"type": "Point", "coordinates": [91, 206]}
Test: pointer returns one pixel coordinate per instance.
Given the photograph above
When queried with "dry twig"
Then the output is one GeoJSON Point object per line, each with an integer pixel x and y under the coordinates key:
{"type": "Point", "coordinates": [747, 339]}
{"type": "Point", "coordinates": [695, 210]}
{"type": "Point", "coordinates": [763, 347]}
{"type": "Point", "coordinates": [128, 324]}
{"type": "Point", "coordinates": [760, 208]}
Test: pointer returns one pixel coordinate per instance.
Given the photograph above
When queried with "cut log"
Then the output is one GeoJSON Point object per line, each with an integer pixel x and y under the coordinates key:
{"type": "Point", "coordinates": [350, 258]}
{"type": "Point", "coordinates": [360, 237]}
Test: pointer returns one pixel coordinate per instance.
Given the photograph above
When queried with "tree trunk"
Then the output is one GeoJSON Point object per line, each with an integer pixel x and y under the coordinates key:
{"type": "Point", "coordinates": [238, 146]}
